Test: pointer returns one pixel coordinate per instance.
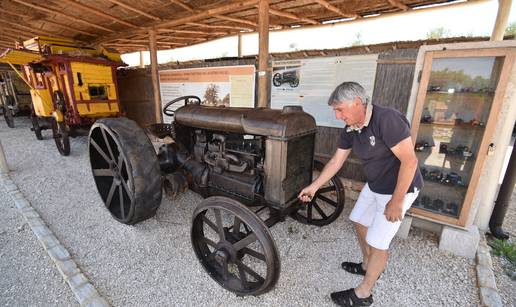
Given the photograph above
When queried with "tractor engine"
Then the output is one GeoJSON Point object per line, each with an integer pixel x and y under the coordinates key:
{"type": "Point", "coordinates": [245, 153]}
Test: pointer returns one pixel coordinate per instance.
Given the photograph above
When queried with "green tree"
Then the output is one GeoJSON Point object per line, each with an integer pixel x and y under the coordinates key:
{"type": "Point", "coordinates": [211, 95]}
{"type": "Point", "coordinates": [511, 29]}
{"type": "Point", "coordinates": [439, 32]}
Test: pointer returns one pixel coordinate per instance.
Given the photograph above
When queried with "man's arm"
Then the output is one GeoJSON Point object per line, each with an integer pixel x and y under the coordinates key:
{"type": "Point", "coordinates": [404, 151]}
{"type": "Point", "coordinates": [330, 169]}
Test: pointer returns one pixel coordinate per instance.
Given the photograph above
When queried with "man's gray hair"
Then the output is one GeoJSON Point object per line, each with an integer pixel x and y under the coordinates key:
{"type": "Point", "coordinates": [347, 91]}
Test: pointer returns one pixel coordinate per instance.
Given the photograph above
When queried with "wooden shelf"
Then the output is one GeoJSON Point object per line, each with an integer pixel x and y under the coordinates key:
{"type": "Point", "coordinates": [449, 125]}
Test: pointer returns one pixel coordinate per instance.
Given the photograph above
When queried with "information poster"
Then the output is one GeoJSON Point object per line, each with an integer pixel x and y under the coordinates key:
{"type": "Point", "coordinates": [309, 82]}
{"type": "Point", "coordinates": [215, 86]}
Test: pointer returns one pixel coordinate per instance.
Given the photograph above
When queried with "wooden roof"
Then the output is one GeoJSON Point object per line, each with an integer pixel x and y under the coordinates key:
{"type": "Point", "coordinates": [124, 24]}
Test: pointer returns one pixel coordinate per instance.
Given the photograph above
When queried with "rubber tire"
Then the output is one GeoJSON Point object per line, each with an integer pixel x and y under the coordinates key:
{"type": "Point", "coordinates": [143, 166]}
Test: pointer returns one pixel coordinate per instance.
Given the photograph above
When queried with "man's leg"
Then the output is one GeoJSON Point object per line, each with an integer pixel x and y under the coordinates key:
{"type": "Point", "coordinates": [375, 267]}
{"type": "Point", "coordinates": [361, 234]}
{"type": "Point", "coordinates": [378, 238]}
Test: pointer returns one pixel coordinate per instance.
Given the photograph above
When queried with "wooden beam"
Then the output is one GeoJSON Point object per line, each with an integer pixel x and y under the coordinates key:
{"type": "Point", "coordinates": [399, 5]}
{"type": "Point", "coordinates": [132, 8]}
{"type": "Point", "coordinates": [201, 15]}
{"type": "Point", "coordinates": [334, 9]}
{"type": "Point", "coordinates": [155, 75]}
{"type": "Point", "coordinates": [183, 5]}
{"type": "Point", "coordinates": [95, 11]}
{"type": "Point", "coordinates": [44, 20]}
{"type": "Point", "coordinates": [54, 11]}
{"type": "Point", "coordinates": [238, 20]}
{"type": "Point", "coordinates": [28, 29]}
{"type": "Point", "coordinates": [225, 9]}
{"type": "Point", "coordinates": [18, 33]}
{"type": "Point", "coordinates": [67, 27]}
{"type": "Point", "coordinates": [14, 36]}
{"type": "Point", "coordinates": [202, 25]}
{"type": "Point", "coordinates": [504, 7]}
{"type": "Point", "coordinates": [263, 54]}
{"type": "Point", "coordinates": [190, 32]}
{"type": "Point", "coordinates": [292, 16]}
{"type": "Point", "coordinates": [240, 45]}
{"type": "Point", "coordinates": [142, 60]}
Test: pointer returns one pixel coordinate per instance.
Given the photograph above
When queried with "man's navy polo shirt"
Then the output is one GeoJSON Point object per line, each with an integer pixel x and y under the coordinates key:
{"type": "Point", "coordinates": [387, 127]}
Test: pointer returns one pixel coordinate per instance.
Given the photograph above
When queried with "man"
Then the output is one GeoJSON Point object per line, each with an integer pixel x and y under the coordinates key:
{"type": "Point", "coordinates": [380, 137]}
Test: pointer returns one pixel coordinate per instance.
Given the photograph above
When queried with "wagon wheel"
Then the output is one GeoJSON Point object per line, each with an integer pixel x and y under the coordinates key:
{"type": "Point", "coordinates": [60, 134]}
{"type": "Point", "coordinates": [327, 204]}
{"type": "Point", "coordinates": [234, 246]}
{"type": "Point", "coordinates": [276, 80]}
{"type": "Point", "coordinates": [8, 112]}
{"type": "Point", "coordinates": [294, 83]}
{"type": "Point", "coordinates": [35, 126]}
{"type": "Point", "coordinates": [187, 99]}
{"type": "Point", "coordinates": [125, 169]}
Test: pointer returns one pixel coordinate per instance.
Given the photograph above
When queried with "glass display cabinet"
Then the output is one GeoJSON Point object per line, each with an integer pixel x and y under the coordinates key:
{"type": "Point", "coordinates": [458, 101]}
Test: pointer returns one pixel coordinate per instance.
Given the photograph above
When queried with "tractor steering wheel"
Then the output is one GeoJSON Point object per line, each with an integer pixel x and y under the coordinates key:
{"type": "Point", "coordinates": [188, 100]}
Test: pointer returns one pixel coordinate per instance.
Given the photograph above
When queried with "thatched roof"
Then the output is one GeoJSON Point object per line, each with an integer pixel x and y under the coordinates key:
{"type": "Point", "coordinates": [123, 24]}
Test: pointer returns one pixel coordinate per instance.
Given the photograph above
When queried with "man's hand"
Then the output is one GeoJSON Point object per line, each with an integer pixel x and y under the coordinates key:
{"type": "Point", "coordinates": [307, 194]}
{"type": "Point", "coordinates": [394, 211]}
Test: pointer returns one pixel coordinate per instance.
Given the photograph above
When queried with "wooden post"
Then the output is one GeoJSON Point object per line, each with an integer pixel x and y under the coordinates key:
{"type": "Point", "coordinates": [142, 60]}
{"type": "Point", "coordinates": [504, 7]}
{"type": "Point", "coordinates": [263, 55]}
{"type": "Point", "coordinates": [3, 163]}
{"type": "Point", "coordinates": [154, 74]}
{"type": "Point", "coordinates": [239, 45]}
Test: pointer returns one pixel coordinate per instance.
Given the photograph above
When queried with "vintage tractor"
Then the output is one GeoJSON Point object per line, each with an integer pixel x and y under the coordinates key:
{"type": "Point", "coordinates": [71, 86]}
{"type": "Point", "coordinates": [289, 77]}
{"type": "Point", "coordinates": [249, 164]}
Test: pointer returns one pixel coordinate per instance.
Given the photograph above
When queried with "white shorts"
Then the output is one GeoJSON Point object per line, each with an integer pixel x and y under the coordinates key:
{"type": "Point", "coordinates": [369, 212]}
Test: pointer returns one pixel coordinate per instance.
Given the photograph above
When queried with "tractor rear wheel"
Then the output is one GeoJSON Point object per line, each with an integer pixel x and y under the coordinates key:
{"type": "Point", "coordinates": [125, 169]}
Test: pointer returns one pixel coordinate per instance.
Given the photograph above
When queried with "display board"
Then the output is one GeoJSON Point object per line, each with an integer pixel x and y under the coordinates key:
{"type": "Point", "coordinates": [309, 82]}
{"type": "Point", "coordinates": [215, 86]}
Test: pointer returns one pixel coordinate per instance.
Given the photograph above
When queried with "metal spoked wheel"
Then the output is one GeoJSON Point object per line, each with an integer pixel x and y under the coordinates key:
{"type": "Point", "coordinates": [294, 83]}
{"type": "Point", "coordinates": [125, 169]}
{"type": "Point", "coordinates": [234, 246]}
{"type": "Point", "coordinates": [60, 134]}
{"type": "Point", "coordinates": [327, 204]}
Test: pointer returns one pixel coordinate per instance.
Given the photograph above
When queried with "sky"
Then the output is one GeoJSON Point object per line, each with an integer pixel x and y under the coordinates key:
{"type": "Point", "coordinates": [475, 19]}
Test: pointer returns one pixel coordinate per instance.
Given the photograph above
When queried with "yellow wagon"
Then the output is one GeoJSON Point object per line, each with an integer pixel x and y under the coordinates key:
{"type": "Point", "coordinates": [71, 86]}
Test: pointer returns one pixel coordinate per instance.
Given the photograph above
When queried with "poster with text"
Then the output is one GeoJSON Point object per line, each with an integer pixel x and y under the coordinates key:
{"type": "Point", "coordinates": [228, 86]}
{"type": "Point", "coordinates": [309, 83]}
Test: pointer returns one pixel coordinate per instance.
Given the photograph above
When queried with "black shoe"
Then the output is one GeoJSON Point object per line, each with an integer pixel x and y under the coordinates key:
{"type": "Point", "coordinates": [348, 298]}
{"type": "Point", "coordinates": [353, 268]}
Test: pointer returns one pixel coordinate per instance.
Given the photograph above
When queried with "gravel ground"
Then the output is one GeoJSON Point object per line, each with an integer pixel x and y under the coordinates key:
{"type": "Point", "coordinates": [153, 264]}
{"type": "Point", "coordinates": [507, 286]}
{"type": "Point", "coordinates": [28, 275]}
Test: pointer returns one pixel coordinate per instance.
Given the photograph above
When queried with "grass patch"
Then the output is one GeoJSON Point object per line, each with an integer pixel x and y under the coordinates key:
{"type": "Point", "coordinates": [507, 251]}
